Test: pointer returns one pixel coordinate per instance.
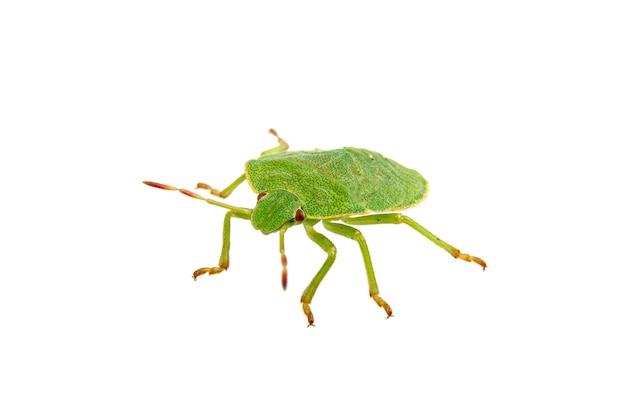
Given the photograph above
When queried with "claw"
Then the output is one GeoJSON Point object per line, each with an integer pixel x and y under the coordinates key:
{"type": "Point", "coordinates": [470, 258]}
{"type": "Point", "coordinates": [308, 313]}
{"type": "Point", "coordinates": [210, 271]}
{"type": "Point", "coordinates": [382, 303]}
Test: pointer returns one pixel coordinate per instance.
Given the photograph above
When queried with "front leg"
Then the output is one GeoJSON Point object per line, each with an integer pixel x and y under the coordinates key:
{"type": "Point", "coordinates": [281, 147]}
{"type": "Point", "coordinates": [331, 251]}
{"type": "Point", "coordinates": [224, 256]}
{"type": "Point", "coordinates": [226, 191]}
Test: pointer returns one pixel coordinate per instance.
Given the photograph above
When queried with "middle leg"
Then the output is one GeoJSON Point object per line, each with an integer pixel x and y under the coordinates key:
{"type": "Point", "coordinates": [355, 234]}
{"type": "Point", "coordinates": [324, 243]}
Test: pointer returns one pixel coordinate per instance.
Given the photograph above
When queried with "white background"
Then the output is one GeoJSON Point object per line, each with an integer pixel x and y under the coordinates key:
{"type": "Point", "coordinates": [514, 113]}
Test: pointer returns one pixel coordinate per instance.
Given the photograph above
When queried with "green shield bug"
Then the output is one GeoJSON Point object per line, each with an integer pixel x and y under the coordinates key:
{"type": "Point", "coordinates": [340, 188]}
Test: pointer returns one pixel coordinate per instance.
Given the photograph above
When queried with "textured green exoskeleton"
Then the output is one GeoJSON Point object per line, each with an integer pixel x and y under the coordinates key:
{"type": "Point", "coordinates": [306, 187]}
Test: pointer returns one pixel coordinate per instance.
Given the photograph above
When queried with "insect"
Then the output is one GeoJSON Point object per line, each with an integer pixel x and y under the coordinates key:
{"type": "Point", "coordinates": [340, 188]}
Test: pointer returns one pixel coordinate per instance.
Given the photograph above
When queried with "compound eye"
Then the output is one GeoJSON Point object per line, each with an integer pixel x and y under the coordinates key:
{"type": "Point", "coordinates": [261, 195]}
{"type": "Point", "coordinates": [299, 215]}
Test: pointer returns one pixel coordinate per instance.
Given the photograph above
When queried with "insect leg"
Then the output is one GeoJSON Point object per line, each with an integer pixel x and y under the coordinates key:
{"type": "Point", "coordinates": [282, 145]}
{"type": "Point", "coordinates": [394, 218]}
{"type": "Point", "coordinates": [224, 256]}
{"type": "Point", "coordinates": [331, 251]}
{"type": "Point", "coordinates": [355, 234]}
{"type": "Point", "coordinates": [226, 191]}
